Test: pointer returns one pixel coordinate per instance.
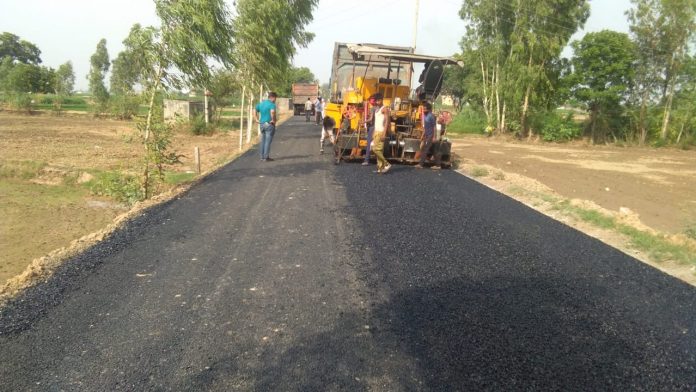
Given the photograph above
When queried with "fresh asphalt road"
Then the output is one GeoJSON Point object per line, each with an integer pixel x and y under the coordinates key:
{"type": "Point", "coordinates": [298, 275]}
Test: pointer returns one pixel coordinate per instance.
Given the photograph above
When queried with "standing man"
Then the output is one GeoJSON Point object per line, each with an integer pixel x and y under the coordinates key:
{"type": "Point", "coordinates": [308, 108]}
{"type": "Point", "coordinates": [380, 134]}
{"type": "Point", "coordinates": [265, 115]}
{"type": "Point", "coordinates": [428, 137]}
{"type": "Point", "coordinates": [319, 110]}
{"type": "Point", "coordinates": [370, 124]}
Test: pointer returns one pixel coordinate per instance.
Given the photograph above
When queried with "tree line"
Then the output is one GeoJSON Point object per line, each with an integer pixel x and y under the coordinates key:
{"type": "Point", "coordinates": [636, 87]}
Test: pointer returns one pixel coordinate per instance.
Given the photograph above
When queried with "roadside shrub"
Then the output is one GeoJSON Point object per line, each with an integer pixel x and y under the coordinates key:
{"type": "Point", "coordinates": [478, 171]}
{"type": "Point", "coordinates": [124, 107]}
{"type": "Point", "coordinates": [557, 128]}
{"type": "Point", "coordinates": [198, 126]}
{"type": "Point", "coordinates": [691, 231]}
{"type": "Point", "coordinates": [468, 121]}
{"type": "Point", "coordinates": [119, 186]}
{"type": "Point", "coordinates": [19, 101]}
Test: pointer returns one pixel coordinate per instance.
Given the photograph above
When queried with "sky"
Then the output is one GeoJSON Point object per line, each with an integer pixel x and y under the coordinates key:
{"type": "Point", "coordinates": [69, 30]}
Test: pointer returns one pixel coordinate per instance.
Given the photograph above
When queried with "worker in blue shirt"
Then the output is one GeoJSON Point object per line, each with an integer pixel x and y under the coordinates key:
{"type": "Point", "coordinates": [428, 137]}
{"type": "Point", "coordinates": [265, 115]}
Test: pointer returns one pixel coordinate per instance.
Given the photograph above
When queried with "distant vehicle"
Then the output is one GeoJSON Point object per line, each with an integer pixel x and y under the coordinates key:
{"type": "Point", "coordinates": [300, 93]}
{"type": "Point", "coordinates": [361, 70]}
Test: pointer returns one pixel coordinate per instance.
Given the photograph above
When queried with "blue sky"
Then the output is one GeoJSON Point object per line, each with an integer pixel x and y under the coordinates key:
{"type": "Point", "coordinates": [70, 29]}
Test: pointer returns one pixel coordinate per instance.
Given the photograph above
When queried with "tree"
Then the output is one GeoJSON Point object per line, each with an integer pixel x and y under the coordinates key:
{"type": "Point", "coordinates": [124, 74]}
{"type": "Point", "coordinates": [223, 86]}
{"type": "Point", "coordinates": [514, 44]}
{"type": "Point", "coordinates": [294, 75]}
{"type": "Point", "coordinates": [685, 102]}
{"type": "Point", "coordinates": [19, 50]}
{"type": "Point", "coordinates": [267, 34]}
{"type": "Point", "coordinates": [661, 29]}
{"type": "Point", "coordinates": [192, 33]}
{"type": "Point", "coordinates": [603, 65]}
{"type": "Point", "coordinates": [99, 66]}
{"type": "Point", "coordinates": [65, 79]}
{"type": "Point", "coordinates": [63, 82]}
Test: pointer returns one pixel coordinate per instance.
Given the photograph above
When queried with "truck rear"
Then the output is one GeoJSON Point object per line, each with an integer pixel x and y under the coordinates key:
{"type": "Point", "coordinates": [300, 93]}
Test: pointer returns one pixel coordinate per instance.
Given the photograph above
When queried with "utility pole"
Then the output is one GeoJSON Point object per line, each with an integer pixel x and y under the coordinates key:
{"type": "Point", "coordinates": [415, 25]}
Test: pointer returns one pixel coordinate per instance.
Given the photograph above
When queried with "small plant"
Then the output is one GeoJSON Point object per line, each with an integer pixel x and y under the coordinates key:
{"type": "Point", "coordinates": [199, 127]}
{"type": "Point", "coordinates": [556, 128]}
{"type": "Point", "coordinates": [691, 231]}
{"type": "Point", "coordinates": [499, 176]}
{"type": "Point", "coordinates": [478, 171]}
{"type": "Point", "coordinates": [124, 107]}
{"type": "Point", "coordinates": [22, 102]}
{"type": "Point", "coordinates": [122, 187]}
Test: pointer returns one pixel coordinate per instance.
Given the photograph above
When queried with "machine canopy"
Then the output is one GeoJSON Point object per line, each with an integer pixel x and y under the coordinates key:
{"type": "Point", "coordinates": [366, 50]}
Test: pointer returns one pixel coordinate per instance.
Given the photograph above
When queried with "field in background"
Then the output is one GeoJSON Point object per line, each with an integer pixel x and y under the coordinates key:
{"type": "Point", "coordinates": [50, 166]}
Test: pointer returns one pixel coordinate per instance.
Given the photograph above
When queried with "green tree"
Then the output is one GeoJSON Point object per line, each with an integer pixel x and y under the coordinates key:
{"type": "Point", "coordinates": [685, 102]}
{"type": "Point", "coordinates": [19, 50]}
{"type": "Point", "coordinates": [193, 32]}
{"type": "Point", "coordinates": [603, 65]}
{"type": "Point", "coordinates": [65, 79]}
{"type": "Point", "coordinates": [516, 45]}
{"type": "Point", "coordinates": [267, 35]}
{"type": "Point", "coordinates": [294, 75]}
{"type": "Point", "coordinates": [224, 85]}
{"type": "Point", "coordinates": [63, 84]}
{"type": "Point", "coordinates": [124, 76]}
{"type": "Point", "coordinates": [99, 66]}
{"type": "Point", "coordinates": [662, 30]}
{"type": "Point", "coordinates": [24, 78]}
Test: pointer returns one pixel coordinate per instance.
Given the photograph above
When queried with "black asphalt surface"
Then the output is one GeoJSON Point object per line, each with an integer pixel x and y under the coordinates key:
{"type": "Point", "coordinates": [298, 275]}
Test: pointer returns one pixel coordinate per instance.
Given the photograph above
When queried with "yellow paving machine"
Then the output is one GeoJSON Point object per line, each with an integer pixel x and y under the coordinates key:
{"type": "Point", "coordinates": [360, 70]}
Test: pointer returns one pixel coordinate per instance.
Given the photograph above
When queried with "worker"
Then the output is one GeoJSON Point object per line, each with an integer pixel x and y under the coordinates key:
{"type": "Point", "coordinates": [308, 109]}
{"type": "Point", "coordinates": [428, 138]}
{"type": "Point", "coordinates": [380, 134]}
{"type": "Point", "coordinates": [265, 115]}
{"type": "Point", "coordinates": [319, 110]}
{"type": "Point", "coordinates": [328, 125]}
{"type": "Point", "coordinates": [370, 124]}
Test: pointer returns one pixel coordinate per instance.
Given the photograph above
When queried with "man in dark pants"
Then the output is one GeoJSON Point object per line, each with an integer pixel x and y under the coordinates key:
{"type": "Point", "coordinates": [265, 115]}
{"type": "Point", "coordinates": [308, 109]}
{"type": "Point", "coordinates": [428, 138]}
{"type": "Point", "coordinates": [370, 123]}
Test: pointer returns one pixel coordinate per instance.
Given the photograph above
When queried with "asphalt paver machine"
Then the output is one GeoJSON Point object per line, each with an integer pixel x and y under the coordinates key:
{"type": "Point", "coordinates": [360, 70]}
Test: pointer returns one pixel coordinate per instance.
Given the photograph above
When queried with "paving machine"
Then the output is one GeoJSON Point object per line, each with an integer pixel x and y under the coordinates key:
{"type": "Point", "coordinates": [361, 70]}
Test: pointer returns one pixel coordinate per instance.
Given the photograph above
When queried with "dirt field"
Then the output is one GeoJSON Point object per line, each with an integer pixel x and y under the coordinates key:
{"type": "Point", "coordinates": [44, 213]}
{"type": "Point", "coordinates": [657, 184]}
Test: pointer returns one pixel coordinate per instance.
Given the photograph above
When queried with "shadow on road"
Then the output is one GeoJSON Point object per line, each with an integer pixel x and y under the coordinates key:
{"type": "Point", "coordinates": [464, 335]}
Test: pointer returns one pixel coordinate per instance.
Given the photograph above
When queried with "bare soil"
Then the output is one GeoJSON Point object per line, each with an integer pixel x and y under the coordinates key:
{"type": "Point", "coordinates": [44, 214]}
{"type": "Point", "coordinates": [648, 188]}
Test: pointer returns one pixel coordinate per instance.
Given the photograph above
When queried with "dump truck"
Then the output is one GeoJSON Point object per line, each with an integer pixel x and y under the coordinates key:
{"type": "Point", "coordinates": [300, 93]}
{"type": "Point", "coordinates": [360, 70]}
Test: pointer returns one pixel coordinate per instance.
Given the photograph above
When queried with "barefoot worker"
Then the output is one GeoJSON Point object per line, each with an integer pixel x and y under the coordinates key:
{"type": "Point", "coordinates": [380, 134]}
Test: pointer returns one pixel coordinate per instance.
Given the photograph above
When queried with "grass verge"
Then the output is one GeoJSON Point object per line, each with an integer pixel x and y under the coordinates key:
{"type": "Point", "coordinates": [659, 247]}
